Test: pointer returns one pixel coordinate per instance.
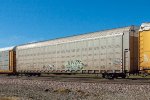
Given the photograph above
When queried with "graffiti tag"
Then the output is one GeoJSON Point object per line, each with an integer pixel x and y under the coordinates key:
{"type": "Point", "coordinates": [74, 65]}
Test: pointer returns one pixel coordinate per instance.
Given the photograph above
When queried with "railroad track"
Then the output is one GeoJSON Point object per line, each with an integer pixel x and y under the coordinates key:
{"type": "Point", "coordinates": [130, 81]}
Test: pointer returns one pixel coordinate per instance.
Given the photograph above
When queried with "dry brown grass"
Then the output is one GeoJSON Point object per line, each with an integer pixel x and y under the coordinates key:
{"type": "Point", "coordinates": [62, 90]}
{"type": "Point", "coordinates": [9, 98]}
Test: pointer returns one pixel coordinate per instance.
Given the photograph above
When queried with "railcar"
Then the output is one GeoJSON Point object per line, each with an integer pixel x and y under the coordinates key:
{"type": "Point", "coordinates": [7, 60]}
{"type": "Point", "coordinates": [144, 48]}
{"type": "Point", "coordinates": [112, 53]}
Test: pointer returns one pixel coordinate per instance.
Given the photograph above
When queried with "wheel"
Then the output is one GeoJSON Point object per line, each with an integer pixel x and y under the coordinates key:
{"type": "Point", "coordinates": [103, 76]}
{"type": "Point", "coordinates": [123, 76]}
{"type": "Point", "coordinates": [39, 75]}
{"type": "Point", "coordinates": [110, 76]}
{"type": "Point", "coordinates": [145, 74]}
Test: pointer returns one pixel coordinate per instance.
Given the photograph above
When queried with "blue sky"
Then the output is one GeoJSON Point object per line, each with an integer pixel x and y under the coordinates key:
{"type": "Point", "coordinates": [23, 21]}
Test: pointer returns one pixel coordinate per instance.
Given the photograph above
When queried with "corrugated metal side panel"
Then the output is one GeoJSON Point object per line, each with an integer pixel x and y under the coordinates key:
{"type": "Point", "coordinates": [76, 38]}
{"type": "Point", "coordinates": [94, 54]}
{"type": "Point", "coordinates": [12, 61]}
{"type": "Point", "coordinates": [133, 52]}
{"type": "Point", "coordinates": [130, 50]}
{"type": "Point", "coordinates": [144, 50]}
{"type": "Point", "coordinates": [4, 61]}
{"type": "Point", "coordinates": [126, 52]}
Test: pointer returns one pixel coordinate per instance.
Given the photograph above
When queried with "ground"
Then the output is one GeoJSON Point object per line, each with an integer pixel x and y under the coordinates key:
{"type": "Point", "coordinates": [39, 89]}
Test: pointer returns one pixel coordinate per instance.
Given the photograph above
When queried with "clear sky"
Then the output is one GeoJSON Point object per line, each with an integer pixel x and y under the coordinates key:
{"type": "Point", "coordinates": [23, 21]}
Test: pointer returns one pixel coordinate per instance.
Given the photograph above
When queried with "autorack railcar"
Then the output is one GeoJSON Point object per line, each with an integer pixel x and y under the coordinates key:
{"type": "Point", "coordinates": [111, 53]}
{"type": "Point", "coordinates": [144, 48]}
{"type": "Point", "coordinates": [7, 60]}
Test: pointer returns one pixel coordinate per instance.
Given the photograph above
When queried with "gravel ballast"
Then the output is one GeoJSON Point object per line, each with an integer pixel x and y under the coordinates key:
{"type": "Point", "coordinates": [18, 89]}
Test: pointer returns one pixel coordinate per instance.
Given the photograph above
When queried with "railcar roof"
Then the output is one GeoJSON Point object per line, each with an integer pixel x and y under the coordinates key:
{"type": "Point", "coordinates": [78, 37]}
{"type": "Point", "coordinates": [145, 26]}
{"type": "Point", "coordinates": [7, 48]}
